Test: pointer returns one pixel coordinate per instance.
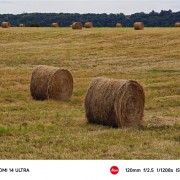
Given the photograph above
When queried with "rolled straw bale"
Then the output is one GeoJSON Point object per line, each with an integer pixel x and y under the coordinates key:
{"type": "Point", "coordinates": [77, 25]}
{"type": "Point", "coordinates": [54, 25]}
{"type": "Point", "coordinates": [116, 103]}
{"type": "Point", "coordinates": [177, 24]}
{"type": "Point", "coordinates": [51, 83]}
{"type": "Point", "coordinates": [138, 25]}
{"type": "Point", "coordinates": [119, 25]}
{"type": "Point", "coordinates": [22, 25]}
{"type": "Point", "coordinates": [5, 24]}
{"type": "Point", "coordinates": [88, 25]}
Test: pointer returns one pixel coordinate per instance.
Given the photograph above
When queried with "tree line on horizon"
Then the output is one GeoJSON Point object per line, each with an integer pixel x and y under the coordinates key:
{"type": "Point", "coordinates": [152, 19]}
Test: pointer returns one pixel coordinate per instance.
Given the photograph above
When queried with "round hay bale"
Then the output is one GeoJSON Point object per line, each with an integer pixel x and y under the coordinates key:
{"type": "Point", "coordinates": [5, 24]}
{"type": "Point", "coordinates": [54, 25]}
{"type": "Point", "coordinates": [177, 24]}
{"type": "Point", "coordinates": [77, 25]}
{"type": "Point", "coordinates": [138, 25]}
{"type": "Point", "coordinates": [22, 25]}
{"type": "Point", "coordinates": [51, 83]}
{"type": "Point", "coordinates": [119, 25]}
{"type": "Point", "coordinates": [88, 25]}
{"type": "Point", "coordinates": [116, 103]}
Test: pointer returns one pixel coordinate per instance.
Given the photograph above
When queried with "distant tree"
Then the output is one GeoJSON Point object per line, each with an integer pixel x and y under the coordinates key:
{"type": "Point", "coordinates": [152, 19]}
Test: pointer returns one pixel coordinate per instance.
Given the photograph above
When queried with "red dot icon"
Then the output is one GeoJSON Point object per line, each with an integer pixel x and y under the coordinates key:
{"type": "Point", "coordinates": [114, 170]}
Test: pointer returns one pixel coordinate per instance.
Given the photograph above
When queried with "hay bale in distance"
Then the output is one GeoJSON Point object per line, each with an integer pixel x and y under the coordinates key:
{"type": "Point", "coordinates": [88, 25]}
{"type": "Point", "coordinates": [177, 24]}
{"type": "Point", "coordinates": [5, 24]}
{"type": "Point", "coordinates": [54, 25]}
{"type": "Point", "coordinates": [119, 25]}
{"type": "Point", "coordinates": [138, 25]}
{"type": "Point", "coordinates": [22, 25]}
{"type": "Point", "coordinates": [116, 103]}
{"type": "Point", "coordinates": [51, 83]}
{"type": "Point", "coordinates": [77, 25]}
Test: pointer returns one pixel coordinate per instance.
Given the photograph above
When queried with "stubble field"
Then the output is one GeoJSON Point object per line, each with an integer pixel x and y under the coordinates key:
{"type": "Point", "coordinates": [32, 129]}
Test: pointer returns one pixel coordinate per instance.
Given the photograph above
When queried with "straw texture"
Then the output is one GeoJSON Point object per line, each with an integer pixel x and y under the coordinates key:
{"type": "Point", "coordinates": [51, 83]}
{"type": "Point", "coordinates": [116, 103]}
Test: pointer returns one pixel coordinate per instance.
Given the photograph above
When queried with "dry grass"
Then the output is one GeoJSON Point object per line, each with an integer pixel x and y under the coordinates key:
{"type": "Point", "coordinates": [58, 130]}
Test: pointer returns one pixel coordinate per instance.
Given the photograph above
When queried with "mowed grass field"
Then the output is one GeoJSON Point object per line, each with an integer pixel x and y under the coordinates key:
{"type": "Point", "coordinates": [32, 129]}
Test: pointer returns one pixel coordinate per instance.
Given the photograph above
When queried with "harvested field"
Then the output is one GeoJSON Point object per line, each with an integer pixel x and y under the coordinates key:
{"type": "Point", "coordinates": [51, 129]}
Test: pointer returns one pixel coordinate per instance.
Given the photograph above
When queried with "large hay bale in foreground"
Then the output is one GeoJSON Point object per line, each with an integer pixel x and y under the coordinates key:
{"type": "Point", "coordinates": [88, 25]}
{"type": "Point", "coordinates": [77, 25]}
{"type": "Point", "coordinates": [54, 25]}
{"type": "Point", "coordinates": [117, 103]}
{"type": "Point", "coordinates": [51, 83]}
{"type": "Point", "coordinates": [177, 24]}
{"type": "Point", "coordinates": [138, 25]}
{"type": "Point", "coordinates": [119, 25]}
{"type": "Point", "coordinates": [22, 25]}
{"type": "Point", "coordinates": [5, 24]}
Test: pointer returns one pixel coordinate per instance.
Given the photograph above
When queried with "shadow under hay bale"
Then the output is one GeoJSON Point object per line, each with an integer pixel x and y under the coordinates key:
{"type": "Point", "coordinates": [54, 25]}
{"type": "Point", "coordinates": [51, 83]}
{"type": "Point", "coordinates": [119, 25]}
{"type": "Point", "coordinates": [116, 103]}
{"type": "Point", "coordinates": [177, 24]}
{"type": "Point", "coordinates": [77, 25]}
{"type": "Point", "coordinates": [88, 25]}
{"type": "Point", "coordinates": [5, 24]}
{"type": "Point", "coordinates": [138, 25]}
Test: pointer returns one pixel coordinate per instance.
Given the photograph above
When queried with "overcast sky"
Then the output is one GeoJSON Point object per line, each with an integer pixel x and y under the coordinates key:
{"type": "Point", "coordinates": [87, 6]}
